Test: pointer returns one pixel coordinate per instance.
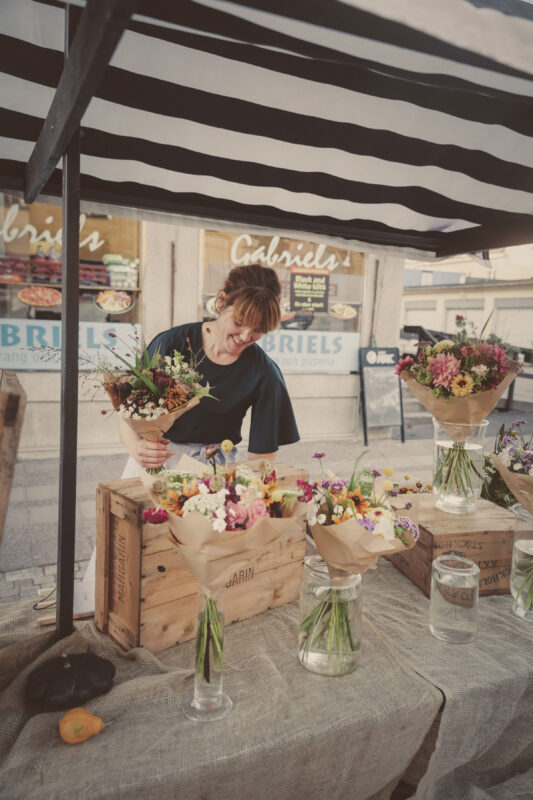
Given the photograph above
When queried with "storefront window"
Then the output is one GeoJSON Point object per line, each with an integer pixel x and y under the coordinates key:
{"type": "Point", "coordinates": [321, 296]}
{"type": "Point", "coordinates": [30, 280]}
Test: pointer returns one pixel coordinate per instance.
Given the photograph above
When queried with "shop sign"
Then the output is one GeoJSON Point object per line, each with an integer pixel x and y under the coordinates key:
{"type": "Point", "coordinates": [36, 344]}
{"type": "Point", "coordinates": [9, 231]}
{"type": "Point", "coordinates": [313, 351]}
{"type": "Point", "coordinates": [270, 256]}
{"type": "Point", "coordinates": [309, 289]}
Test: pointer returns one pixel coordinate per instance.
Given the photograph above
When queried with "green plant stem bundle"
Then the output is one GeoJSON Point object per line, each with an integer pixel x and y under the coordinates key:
{"type": "Point", "coordinates": [327, 627]}
{"type": "Point", "coordinates": [209, 636]}
{"type": "Point", "coordinates": [525, 592]}
{"type": "Point", "coordinates": [456, 473]}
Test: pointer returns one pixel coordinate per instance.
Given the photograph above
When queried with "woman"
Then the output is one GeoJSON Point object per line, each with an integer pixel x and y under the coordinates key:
{"type": "Point", "coordinates": [239, 372]}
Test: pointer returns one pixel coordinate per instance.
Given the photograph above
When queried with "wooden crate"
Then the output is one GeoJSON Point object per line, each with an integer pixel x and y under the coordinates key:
{"type": "Point", "coordinates": [145, 594]}
{"type": "Point", "coordinates": [485, 536]}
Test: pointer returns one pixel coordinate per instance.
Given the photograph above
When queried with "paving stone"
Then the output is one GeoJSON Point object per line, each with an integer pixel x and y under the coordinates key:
{"type": "Point", "coordinates": [50, 569]}
{"type": "Point", "coordinates": [24, 583]}
{"type": "Point", "coordinates": [8, 595]}
{"type": "Point", "coordinates": [30, 573]}
{"type": "Point", "coordinates": [29, 591]}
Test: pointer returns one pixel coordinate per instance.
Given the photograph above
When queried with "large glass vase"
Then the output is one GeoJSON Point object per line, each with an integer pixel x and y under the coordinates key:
{"type": "Point", "coordinates": [458, 461]}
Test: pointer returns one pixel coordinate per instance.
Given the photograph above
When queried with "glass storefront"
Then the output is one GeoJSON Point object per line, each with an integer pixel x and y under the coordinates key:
{"type": "Point", "coordinates": [321, 296]}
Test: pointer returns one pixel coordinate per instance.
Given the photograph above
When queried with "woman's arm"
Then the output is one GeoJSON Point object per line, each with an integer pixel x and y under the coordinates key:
{"type": "Point", "coordinates": [148, 455]}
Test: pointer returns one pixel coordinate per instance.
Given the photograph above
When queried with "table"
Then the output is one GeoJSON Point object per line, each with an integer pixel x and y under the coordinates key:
{"type": "Point", "coordinates": [484, 747]}
{"type": "Point", "coordinates": [292, 734]}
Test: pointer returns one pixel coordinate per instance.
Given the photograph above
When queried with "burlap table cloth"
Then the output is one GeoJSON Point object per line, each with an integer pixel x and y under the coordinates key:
{"type": "Point", "coordinates": [484, 748]}
{"type": "Point", "coordinates": [291, 734]}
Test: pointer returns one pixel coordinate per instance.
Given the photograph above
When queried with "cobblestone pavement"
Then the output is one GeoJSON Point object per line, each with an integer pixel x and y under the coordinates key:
{"type": "Point", "coordinates": [28, 551]}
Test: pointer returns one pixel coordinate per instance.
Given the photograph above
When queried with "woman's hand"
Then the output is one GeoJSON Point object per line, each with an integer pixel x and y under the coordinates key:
{"type": "Point", "coordinates": [151, 455]}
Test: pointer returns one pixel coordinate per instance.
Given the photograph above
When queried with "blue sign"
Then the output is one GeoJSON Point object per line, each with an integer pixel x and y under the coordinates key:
{"type": "Point", "coordinates": [36, 345]}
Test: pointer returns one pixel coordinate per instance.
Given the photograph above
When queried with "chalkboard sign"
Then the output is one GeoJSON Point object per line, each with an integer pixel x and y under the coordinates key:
{"type": "Point", "coordinates": [380, 389]}
{"type": "Point", "coordinates": [309, 289]}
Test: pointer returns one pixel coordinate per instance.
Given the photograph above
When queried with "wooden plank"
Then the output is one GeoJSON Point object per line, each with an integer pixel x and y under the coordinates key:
{"type": "Point", "coordinates": [166, 578]}
{"type": "Point", "coordinates": [103, 520]}
{"type": "Point", "coordinates": [12, 406]}
{"type": "Point", "coordinates": [125, 572]}
{"type": "Point", "coordinates": [175, 622]}
{"type": "Point", "coordinates": [98, 32]}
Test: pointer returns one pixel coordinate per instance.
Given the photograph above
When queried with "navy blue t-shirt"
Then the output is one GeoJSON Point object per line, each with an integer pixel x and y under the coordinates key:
{"type": "Point", "coordinates": [254, 380]}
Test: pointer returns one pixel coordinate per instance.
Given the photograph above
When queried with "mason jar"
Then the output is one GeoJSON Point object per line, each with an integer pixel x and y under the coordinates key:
{"type": "Point", "coordinates": [522, 564]}
{"type": "Point", "coordinates": [329, 633]}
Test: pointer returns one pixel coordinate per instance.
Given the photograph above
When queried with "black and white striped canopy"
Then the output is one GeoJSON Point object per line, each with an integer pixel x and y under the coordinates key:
{"type": "Point", "coordinates": [383, 124]}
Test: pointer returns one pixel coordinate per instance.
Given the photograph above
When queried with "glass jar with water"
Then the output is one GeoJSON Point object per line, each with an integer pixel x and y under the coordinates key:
{"type": "Point", "coordinates": [329, 634]}
{"type": "Point", "coordinates": [454, 598]}
{"type": "Point", "coordinates": [522, 564]}
{"type": "Point", "coordinates": [458, 465]}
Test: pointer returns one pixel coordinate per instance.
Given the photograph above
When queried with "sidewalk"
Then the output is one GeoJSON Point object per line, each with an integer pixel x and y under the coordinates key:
{"type": "Point", "coordinates": [28, 552]}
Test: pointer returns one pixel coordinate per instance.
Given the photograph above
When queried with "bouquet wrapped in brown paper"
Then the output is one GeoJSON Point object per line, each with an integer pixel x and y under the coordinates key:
{"type": "Point", "coordinates": [152, 392]}
{"type": "Point", "coordinates": [352, 522]}
{"type": "Point", "coordinates": [219, 523]}
{"type": "Point", "coordinates": [513, 458]}
{"type": "Point", "coordinates": [459, 382]}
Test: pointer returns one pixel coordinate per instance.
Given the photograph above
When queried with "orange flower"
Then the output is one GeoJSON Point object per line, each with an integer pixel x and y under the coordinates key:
{"type": "Point", "coordinates": [361, 504]}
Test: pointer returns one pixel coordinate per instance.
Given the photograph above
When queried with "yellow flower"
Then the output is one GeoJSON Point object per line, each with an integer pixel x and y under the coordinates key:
{"type": "Point", "coordinates": [388, 486]}
{"type": "Point", "coordinates": [429, 487]}
{"type": "Point", "coordinates": [226, 445]}
{"type": "Point", "coordinates": [462, 385]}
{"type": "Point", "coordinates": [276, 496]}
{"type": "Point", "coordinates": [407, 477]}
{"type": "Point", "coordinates": [388, 471]}
{"type": "Point", "coordinates": [444, 344]}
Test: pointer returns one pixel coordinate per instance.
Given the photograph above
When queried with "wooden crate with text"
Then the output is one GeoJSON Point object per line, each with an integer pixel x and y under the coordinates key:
{"type": "Point", "coordinates": [485, 536]}
{"type": "Point", "coordinates": [146, 595]}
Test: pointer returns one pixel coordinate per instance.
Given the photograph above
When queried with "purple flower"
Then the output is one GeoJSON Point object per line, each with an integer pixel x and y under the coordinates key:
{"type": "Point", "coordinates": [403, 525]}
{"type": "Point", "coordinates": [367, 524]}
{"type": "Point", "coordinates": [334, 485]}
{"type": "Point", "coordinates": [376, 473]}
{"type": "Point", "coordinates": [517, 423]}
{"type": "Point", "coordinates": [319, 454]}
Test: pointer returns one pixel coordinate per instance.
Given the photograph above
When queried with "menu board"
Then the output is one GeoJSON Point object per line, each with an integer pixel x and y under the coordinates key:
{"type": "Point", "coordinates": [381, 390]}
{"type": "Point", "coordinates": [309, 289]}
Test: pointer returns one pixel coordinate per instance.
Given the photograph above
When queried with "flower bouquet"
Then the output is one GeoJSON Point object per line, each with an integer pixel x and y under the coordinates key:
{"type": "Point", "coordinates": [152, 391]}
{"type": "Point", "coordinates": [219, 522]}
{"type": "Point", "coordinates": [459, 382]}
{"type": "Point", "coordinates": [513, 460]}
{"type": "Point", "coordinates": [352, 523]}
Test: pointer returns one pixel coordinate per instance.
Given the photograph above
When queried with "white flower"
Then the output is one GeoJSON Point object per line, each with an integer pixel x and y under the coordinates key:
{"type": "Point", "coordinates": [321, 519]}
{"type": "Point", "coordinates": [220, 512]}
{"type": "Point", "coordinates": [385, 528]}
{"type": "Point", "coordinates": [219, 524]}
{"type": "Point", "coordinates": [530, 471]}
{"type": "Point", "coordinates": [312, 520]}
{"type": "Point", "coordinates": [239, 489]}
{"type": "Point", "coordinates": [203, 489]}
{"type": "Point", "coordinates": [221, 496]}
{"type": "Point", "coordinates": [338, 510]}
{"type": "Point", "coordinates": [480, 369]}
{"type": "Point", "coordinates": [517, 467]}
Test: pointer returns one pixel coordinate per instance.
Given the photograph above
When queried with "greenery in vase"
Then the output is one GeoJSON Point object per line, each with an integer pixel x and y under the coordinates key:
{"type": "Point", "coordinates": [209, 638]}
{"type": "Point", "coordinates": [327, 627]}
{"type": "Point", "coordinates": [456, 472]}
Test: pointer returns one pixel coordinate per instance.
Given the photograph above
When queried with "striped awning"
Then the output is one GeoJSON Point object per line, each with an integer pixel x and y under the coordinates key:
{"type": "Point", "coordinates": [382, 124]}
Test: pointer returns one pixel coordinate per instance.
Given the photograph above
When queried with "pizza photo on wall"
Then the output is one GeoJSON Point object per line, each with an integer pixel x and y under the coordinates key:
{"type": "Point", "coordinates": [39, 296]}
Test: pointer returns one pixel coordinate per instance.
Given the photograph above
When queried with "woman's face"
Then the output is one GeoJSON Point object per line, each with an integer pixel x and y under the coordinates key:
{"type": "Point", "coordinates": [236, 338]}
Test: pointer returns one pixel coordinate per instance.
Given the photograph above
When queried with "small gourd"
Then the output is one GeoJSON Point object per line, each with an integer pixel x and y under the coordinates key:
{"type": "Point", "coordinates": [78, 725]}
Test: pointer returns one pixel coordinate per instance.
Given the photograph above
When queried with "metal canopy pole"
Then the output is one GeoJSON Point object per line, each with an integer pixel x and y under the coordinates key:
{"type": "Point", "coordinates": [70, 279]}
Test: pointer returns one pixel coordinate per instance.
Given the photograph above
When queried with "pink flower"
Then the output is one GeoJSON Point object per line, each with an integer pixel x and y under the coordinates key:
{"type": "Point", "coordinates": [236, 515]}
{"type": "Point", "coordinates": [444, 367]}
{"type": "Point", "coordinates": [403, 363]}
{"type": "Point", "coordinates": [256, 510]}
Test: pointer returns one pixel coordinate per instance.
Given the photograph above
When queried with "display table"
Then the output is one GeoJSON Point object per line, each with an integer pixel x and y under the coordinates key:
{"type": "Point", "coordinates": [484, 747]}
{"type": "Point", "coordinates": [292, 734]}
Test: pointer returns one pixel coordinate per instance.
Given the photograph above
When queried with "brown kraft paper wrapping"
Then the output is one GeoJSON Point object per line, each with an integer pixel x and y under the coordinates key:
{"type": "Point", "coordinates": [456, 412]}
{"type": "Point", "coordinates": [153, 429]}
{"type": "Point", "coordinates": [519, 484]}
{"type": "Point", "coordinates": [350, 547]}
{"type": "Point", "coordinates": [213, 556]}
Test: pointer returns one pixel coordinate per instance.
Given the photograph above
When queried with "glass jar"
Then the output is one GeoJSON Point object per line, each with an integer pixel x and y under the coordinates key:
{"type": "Point", "coordinates": [458, 462]}
{"type": "Point", "coordinates": [329, 633]}
{"type": "Point", "coordinates": [522, 564]}
{"type": "Point", "coordinates": [453, 598]}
